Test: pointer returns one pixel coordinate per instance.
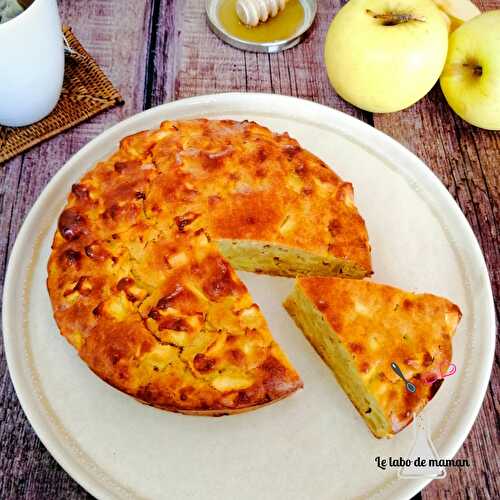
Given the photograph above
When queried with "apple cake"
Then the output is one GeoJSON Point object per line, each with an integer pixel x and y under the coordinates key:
{"type": "Point", "coordinates": [141, 274]}
{"type": "Point", "coordinates": [360, 328]}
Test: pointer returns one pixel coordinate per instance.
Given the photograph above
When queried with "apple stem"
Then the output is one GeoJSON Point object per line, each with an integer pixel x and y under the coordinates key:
{"type": "Point", "coordinates": [476, 69]}
{"type": "Point", "coordinates": [394, 19]}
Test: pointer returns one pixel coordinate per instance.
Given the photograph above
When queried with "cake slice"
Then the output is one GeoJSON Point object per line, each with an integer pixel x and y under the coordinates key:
{"type": "Point", "coordinates": [360, 328]}
{"type": "Point", "coordinates": [164, 318]}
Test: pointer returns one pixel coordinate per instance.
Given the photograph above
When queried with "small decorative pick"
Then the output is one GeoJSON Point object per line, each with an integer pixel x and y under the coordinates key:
{"type": "Point", "coordinates": [409, 386]}
{"type": "Point", "coordinates": [452, 369]}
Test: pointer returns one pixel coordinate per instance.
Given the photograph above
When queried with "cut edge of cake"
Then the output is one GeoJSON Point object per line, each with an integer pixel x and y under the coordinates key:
{"type": "Point", "coordinates": [314, 326]}
{"type": "Point", "coordinates": [281, 260]}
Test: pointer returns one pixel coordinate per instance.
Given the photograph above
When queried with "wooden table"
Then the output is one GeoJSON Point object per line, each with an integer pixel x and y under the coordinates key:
{"type": "Point", "coordinates": [161, 50]}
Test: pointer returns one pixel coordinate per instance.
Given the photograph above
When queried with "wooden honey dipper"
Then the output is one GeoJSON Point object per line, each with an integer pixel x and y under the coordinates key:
{"type": "Point", "coordinates": [251, 12]}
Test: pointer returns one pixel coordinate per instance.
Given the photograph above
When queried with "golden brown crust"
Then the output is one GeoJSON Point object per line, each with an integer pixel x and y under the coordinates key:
{"type": "Point", "coordinates": [165, 319]}
{"type": "Point", "coordinates": [240, 181]}
{"type": "Point", "coordinates": [380, 324]}
{"type": "Point", "coordinates": [143, 294]}
{"type": "Point", "coordinates": [214, 413]}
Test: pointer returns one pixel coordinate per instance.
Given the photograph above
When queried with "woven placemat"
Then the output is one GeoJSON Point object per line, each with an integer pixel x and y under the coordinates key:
{"type": "Point", "coordinates": [86, 92]}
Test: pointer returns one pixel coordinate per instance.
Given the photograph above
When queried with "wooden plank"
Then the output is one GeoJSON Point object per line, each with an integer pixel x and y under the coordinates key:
{"type": "Point", "coordinates": [204, 64]}
{"type": "Point", "coordinates": [164, 52]}
{"type": "Point", "coordinates": [115, 32]}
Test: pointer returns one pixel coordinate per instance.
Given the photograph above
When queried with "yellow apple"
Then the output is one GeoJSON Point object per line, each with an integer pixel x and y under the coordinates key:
{"type": "Point", "coordinates": [471, 76]}
{"type": "Point", "coordinates": [384, 55]}
{"type": "Point", "coordinates": [459, 11]}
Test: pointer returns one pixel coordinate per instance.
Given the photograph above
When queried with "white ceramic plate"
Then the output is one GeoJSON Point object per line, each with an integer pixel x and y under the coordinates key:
{"type": "Point", "coordinates": [312, 445]}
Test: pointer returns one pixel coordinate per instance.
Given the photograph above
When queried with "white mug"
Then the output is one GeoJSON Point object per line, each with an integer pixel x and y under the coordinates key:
{"type": "Point", "coordinates": [31, 64]}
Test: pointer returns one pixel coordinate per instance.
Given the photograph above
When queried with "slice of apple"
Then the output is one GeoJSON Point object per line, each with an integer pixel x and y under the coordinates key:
{"type": "Point", "coordinates": [458, 11]}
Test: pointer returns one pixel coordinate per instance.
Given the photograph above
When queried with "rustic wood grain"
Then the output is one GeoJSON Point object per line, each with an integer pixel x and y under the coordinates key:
{"type": "Point", "coordinates": [210, 66]}
{"type": "Point", "coordinates": [160, 50]}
